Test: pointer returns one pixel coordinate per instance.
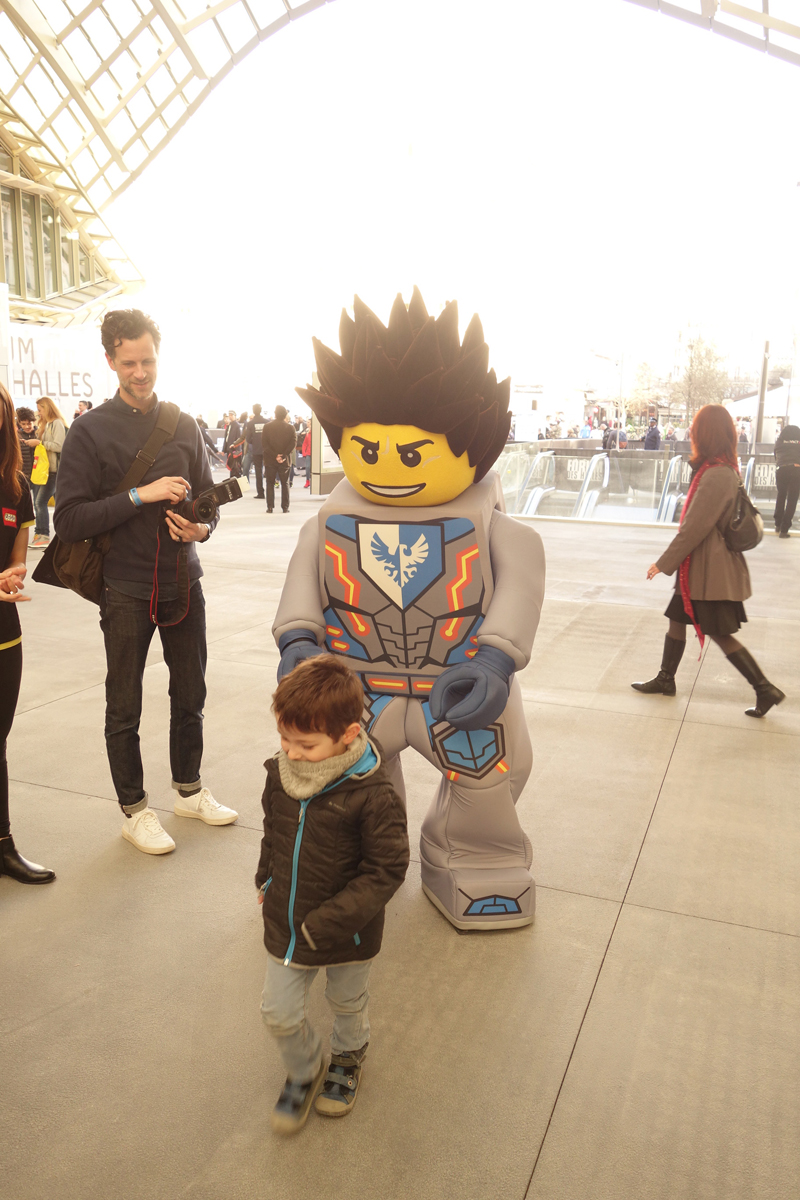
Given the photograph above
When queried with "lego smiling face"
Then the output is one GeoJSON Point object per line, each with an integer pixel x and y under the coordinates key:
{"type": "Point", "coordinates": [402, 465]}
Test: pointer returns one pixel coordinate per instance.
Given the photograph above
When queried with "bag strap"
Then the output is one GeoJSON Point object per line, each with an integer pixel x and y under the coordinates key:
{"type": "Point", "coordinates": [164, 431]}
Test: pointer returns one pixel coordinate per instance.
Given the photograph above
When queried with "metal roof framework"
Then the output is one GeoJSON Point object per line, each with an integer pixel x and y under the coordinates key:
{"type": "Point", "coordinates": [105, 85]}
{"type": "Point", "coordinates": [769, 26]}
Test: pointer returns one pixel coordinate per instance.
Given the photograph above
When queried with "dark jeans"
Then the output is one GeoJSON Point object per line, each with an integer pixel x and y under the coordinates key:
{"type": "Point", "coordinates": [788, 482]}
{"type": "Point", "coordinates": [10, 677]}
{"type": "Point", "coordinates": [43, 493]}
{"type": "Point", "coordinates": [128, 631]}
{"type": "Point", "coordinates": [275, 470]}
{"type": "Point", "coordinates": [258, 463]}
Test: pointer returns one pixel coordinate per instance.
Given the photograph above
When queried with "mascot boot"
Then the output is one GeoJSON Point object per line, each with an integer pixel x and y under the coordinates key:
{"type": "Point", "coordinates": [414, 574]}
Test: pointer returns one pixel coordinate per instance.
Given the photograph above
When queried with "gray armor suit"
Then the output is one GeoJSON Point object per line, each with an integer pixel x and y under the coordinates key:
{"type": "Point", "coordinates": [403, 594]}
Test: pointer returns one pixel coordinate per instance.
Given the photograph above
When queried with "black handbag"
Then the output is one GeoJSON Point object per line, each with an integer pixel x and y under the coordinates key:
{"type": "Point", "coordinates": [79, 565]}
{"type": "Point", "coordinates": [745, 528]}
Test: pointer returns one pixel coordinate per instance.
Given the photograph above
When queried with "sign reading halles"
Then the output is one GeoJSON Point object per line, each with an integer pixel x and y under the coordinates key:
{"type": "Point", "coordinates": [67, 365]}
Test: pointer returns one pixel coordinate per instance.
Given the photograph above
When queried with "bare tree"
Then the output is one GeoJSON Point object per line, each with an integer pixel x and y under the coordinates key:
{"type": "Point", "coordinates": [704, 381]}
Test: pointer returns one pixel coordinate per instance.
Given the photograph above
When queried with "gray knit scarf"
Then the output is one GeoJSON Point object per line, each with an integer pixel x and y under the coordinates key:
{"type": "Point", "coordinates": [302, 780]}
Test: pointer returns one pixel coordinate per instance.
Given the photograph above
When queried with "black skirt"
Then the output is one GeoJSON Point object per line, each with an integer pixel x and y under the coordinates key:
{"type": "Point", "coordinates": [716, 618]}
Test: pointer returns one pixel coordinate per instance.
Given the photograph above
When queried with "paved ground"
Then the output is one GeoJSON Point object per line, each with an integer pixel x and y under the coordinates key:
{"type": "Point", "coordinates": [639, 1041]}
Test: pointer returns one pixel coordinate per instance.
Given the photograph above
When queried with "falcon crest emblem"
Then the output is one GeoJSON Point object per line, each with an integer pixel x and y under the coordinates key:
{"type": "Point", "coordinates": [402, 564]}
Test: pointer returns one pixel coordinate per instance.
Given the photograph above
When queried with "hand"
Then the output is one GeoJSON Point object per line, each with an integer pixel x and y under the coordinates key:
{"type": "Point", "coordinates": [652, 571]}
{"type": "Point", "coordinates": [181, 530]}
{"type": "Point", "coordinates": [295, 646]}
{"type": "Point", "coordinates": [260, 899]}
{"type": "Point", "coordinates": [31, 442]}
{"type": "Point", "coordinates": [473, 694]}
{"type": "Point", "coordinates": [279, 458]}
{"type": "Point", "coordinates": [171, 488]}
{"type": "Point", "coordinates": [11, 584]}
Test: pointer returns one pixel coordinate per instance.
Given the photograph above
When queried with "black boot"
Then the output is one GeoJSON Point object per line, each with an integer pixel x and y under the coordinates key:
{"type": "Point", "coordinates": [664, 682]}
{"type": "Point", "coordinates": [766, 693]}
{"type": "Point", "coordinates": [17, 867]}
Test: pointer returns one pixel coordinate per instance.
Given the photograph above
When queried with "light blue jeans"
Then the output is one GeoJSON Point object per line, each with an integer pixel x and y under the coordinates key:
{"type": "Point", "coordinates": [284, 1007]}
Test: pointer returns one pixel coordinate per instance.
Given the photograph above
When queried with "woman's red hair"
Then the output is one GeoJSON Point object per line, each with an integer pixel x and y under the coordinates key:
{"type": "Point", "coordinates": [10, 454]}
{"type": "Point", "coordinates": [713, 436]}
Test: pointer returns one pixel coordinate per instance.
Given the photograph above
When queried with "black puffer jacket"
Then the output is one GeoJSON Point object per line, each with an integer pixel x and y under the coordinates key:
{"type": "Point", "coordinates": [787, 447]}
{"type": "Point", "coordinates": [336, 860]}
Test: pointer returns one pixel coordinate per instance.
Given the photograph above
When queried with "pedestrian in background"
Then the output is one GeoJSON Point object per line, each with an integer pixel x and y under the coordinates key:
{"type": "Point", "coordinates": [17, 510]}
{"type": "Point", "coordinates": [711, 581]}
{"type": "Point", "coordinates": [652, 439]}
{"type": "Point", "coordinates": [255, 453]}
{"type": "Point", "coordinates": [51, 431]}
{"type": "Point", "coordinates": [787, 477]}
{"type": "Point", "coordinates": [278, 442]}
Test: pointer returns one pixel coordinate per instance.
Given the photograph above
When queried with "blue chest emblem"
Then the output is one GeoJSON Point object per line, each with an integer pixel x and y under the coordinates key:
{"type": "Point", "coordinates": [401, 560]}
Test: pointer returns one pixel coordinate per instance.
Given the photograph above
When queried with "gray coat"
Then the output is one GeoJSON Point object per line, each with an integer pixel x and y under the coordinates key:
{"type": "Point", "coordinates": [715, 572]}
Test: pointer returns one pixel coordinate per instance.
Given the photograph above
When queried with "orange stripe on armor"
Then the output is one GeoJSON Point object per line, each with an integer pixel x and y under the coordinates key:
{"type": "Point", "coordinates": [463, 577]}
{"type": "Point", "coordinates": [422, 687]}
{"type": "Point", "coordinates": [397, 685]}
{"type": "Point", "coordinates": [359, 624]}
{"type": "Point", "coordinates": [502, 767]}
{"type": "Point", "coordinates": [452, 776]}
{"type": "Point", "coordinates": [344, 646]}
{"type": "Point", "coordinates": [450, 630]}
{"type": "Point", "coordinates": [352, 586]}
{"type": "Point", "coordinates": [333, 631]}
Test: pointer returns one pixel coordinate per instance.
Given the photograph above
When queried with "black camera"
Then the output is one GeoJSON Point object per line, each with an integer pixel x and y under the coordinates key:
{"type": "Point", "coordinates": [204, 508]}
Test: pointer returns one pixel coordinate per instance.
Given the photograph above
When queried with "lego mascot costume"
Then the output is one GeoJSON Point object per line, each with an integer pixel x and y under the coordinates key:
{"type": "Point", "coordinates": [414, 574]}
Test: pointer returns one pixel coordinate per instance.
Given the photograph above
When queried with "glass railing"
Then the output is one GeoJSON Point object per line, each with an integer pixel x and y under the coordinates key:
{"type": "Point", "coordinates": [581, 481]}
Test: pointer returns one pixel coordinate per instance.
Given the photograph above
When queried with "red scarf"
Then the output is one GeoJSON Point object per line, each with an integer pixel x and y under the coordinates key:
{"type": "Point", "coordinates": [683, 570]}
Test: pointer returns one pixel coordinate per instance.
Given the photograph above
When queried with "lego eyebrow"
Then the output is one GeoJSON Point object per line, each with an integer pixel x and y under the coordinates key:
{"type": "Point", "coordinates": [364, 442]}
{"type": "Point", "coordinates": [414, 445]}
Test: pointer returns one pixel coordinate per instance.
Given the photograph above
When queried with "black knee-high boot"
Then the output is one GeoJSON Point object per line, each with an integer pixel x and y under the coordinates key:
{"type": "Point", "coordinates": [664, 682]}
{"type": "Point", "coordinates": [767, 694]}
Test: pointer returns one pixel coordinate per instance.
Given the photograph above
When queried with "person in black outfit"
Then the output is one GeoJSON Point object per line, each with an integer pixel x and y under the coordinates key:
{"type": "Point", "coordinates": [253, 431]}
{"type": "Point", "coordinates": [652, 439]}
{"type": "Point", "coordinates": [151, 573]}
{"type": "Point", "coordinates": [278, 441]}
{"type": "Point", "coordinates": [17, 517]}
{"type": "Point", "coordinates": [787, 477]}
{"type": "Point", "coordinates": [233, 447]}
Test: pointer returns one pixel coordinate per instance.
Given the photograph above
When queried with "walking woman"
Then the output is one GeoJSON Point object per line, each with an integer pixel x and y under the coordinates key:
{"type": "Point", "coordinates": [51, 432]}
{"type": "Point", "coordinates": [712, 581]}
{"type": "Point", "coordinates": [15, 502]}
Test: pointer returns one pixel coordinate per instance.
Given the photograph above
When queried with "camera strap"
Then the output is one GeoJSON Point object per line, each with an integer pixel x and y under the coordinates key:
{"type": "Point", "coordinates": [163, 432]}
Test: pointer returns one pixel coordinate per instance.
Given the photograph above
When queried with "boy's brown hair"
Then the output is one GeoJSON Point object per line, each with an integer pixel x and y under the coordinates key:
{"type": "Point", "coordinates": [321, 695]}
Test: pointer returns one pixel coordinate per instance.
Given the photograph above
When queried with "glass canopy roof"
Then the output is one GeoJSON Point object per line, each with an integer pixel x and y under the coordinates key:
{"type": "Point", "coordinates": [771, 26]}
{"type": "Point", "coordinates": [104, 85]}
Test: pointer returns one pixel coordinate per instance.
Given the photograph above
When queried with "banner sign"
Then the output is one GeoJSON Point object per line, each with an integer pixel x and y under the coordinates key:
{"type": "Point", "coordinates": [67, 365]}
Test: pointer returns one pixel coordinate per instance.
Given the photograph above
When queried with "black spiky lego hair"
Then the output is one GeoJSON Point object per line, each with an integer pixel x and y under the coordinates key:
{"type": "Point", "coordinates": [413, 371]}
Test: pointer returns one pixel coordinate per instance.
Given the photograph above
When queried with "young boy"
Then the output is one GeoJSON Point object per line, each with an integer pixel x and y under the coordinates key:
{"type": "Point", "coordinates": [335, 850]}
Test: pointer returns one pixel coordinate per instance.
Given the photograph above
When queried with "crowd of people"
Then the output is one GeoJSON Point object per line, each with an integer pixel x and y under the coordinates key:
{"type": "Point", "coordinates": [329, 906]}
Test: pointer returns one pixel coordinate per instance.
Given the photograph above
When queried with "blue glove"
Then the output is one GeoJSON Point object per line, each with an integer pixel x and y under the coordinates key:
{"type": "Point", "coordinates": [295, 645]}
{"type": "Point", "coordinates": [473, 694]}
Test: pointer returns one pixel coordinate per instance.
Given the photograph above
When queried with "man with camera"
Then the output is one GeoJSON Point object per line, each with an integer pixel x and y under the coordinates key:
{"type": "Point", "coordinates": [151, 571]}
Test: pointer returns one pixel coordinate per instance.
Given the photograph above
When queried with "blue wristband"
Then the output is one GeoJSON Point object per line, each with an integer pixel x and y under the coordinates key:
{"type": "Point", "coordinates": [134, 495]}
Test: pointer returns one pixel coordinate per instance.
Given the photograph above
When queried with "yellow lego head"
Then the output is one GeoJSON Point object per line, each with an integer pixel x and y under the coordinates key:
{"type": "Point", "coordinates": [414, 414]}
{"type": "Point", "coordinates": [403, 465]}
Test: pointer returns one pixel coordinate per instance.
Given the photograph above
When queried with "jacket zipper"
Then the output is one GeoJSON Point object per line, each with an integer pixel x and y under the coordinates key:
{"type": "Point", "coordinates": [298, 837]}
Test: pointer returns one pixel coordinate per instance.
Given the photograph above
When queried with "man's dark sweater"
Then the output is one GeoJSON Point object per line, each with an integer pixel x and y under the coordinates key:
{"type": "Point", "coordinates": [98, 451]}
{"type": "Point", "coordinates": [278, 437]}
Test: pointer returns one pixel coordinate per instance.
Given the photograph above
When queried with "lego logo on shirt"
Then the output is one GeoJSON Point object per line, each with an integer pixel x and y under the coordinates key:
{"type": "Point", "coordinates": [10, 517]}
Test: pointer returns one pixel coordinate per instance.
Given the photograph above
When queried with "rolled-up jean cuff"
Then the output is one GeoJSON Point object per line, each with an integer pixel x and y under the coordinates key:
{"type": "Point", "coordinates": [188, 789]}
{"type": "Point", "coordinates": [131, 810]}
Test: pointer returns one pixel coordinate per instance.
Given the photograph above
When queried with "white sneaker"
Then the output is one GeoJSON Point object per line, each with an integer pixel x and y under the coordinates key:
{"type": "Point", "coordinates": [203, 806]}
{"type": "Point", "coordinates": [144, 831]}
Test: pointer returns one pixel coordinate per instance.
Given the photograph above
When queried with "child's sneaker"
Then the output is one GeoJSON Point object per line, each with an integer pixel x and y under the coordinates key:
{"type": "Point", "coordinates": [340, 1088]}
{"type": "Point", "coordinates": [294, 1103]}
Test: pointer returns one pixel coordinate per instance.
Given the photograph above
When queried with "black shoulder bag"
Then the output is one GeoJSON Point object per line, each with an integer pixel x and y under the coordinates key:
{"type": "Point", "coordinates": [745, 528]}
{"type": "Point", "coordinates": [79, 565]}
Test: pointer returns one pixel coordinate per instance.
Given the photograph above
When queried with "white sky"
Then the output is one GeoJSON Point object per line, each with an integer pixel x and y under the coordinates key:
{"type": "Point", "coordinates": [587, 176]}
